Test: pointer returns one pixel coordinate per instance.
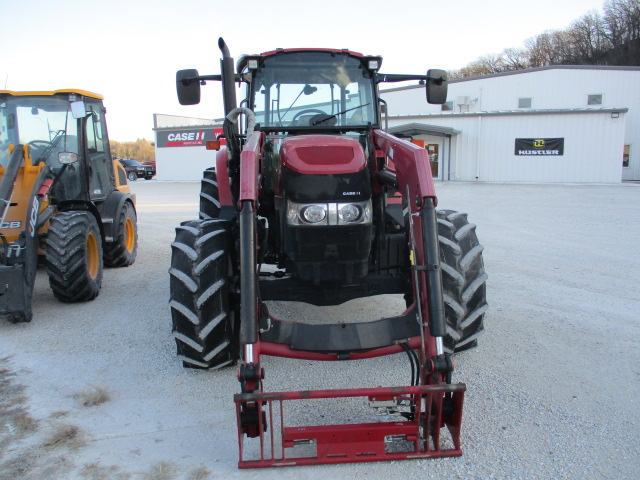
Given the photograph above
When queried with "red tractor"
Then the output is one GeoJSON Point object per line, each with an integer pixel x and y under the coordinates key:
{"type": "Point", "coordinates": [312, 201]}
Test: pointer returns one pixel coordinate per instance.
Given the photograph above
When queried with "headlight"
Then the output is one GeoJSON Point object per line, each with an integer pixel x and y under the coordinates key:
{"type": "Point", "coordinates": [349, 213]}
{"type": "Point", "coordinates": [329, 213]}
{"type": "Point", "coordinates": [314, 213]}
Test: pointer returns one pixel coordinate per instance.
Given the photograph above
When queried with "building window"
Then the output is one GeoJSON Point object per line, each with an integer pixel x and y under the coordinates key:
{"type": "Point", "coordinates": [625, 155]}
{"type": "Point", "coordinates": [595, 99]}
{"type": "Point", "coordinates": [524, 102]}
{"type": "Point", "coordinates": [447, 106]}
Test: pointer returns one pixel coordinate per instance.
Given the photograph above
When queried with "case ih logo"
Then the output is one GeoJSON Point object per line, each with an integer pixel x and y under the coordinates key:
{"type": "Point", "coordinates": [186, 138]}
{"type": "Point", "coordinates": [539, 146]}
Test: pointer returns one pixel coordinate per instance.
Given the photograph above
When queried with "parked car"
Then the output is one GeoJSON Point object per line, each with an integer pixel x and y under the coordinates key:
{"type": "Point", "coordinates": [137, 170]}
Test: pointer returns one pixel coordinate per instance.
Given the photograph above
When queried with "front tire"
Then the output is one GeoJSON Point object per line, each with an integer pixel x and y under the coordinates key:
{"type": "Point", "coordinates": [204, 321]}
{"type": "Point", "coordinates": [132, 176]}
{"type": "Point", "coordinates": [122, 251]}
{"type": "Point", "coordinates": [463, 280]}
{"type": "Point", "coordinates": [74, 256]}
{"type": "Point", "coordinates": [209, 196]}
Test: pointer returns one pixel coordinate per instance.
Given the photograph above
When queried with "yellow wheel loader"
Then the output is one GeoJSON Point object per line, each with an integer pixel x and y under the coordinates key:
{"type": "Point", "coordinates": [64, 202]}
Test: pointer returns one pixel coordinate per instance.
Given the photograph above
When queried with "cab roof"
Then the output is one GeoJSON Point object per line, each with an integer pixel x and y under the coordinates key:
{"type": "Point", "coordinates": [84, 93]}
{"type": "Point", "coordinates": [242, 62]}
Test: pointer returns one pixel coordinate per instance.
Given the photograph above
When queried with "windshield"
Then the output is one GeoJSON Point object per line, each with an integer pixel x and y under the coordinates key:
{"type": "Point", "coordinates": [44, 123]}
{"type": "Point", "coordinates": [313, 89]}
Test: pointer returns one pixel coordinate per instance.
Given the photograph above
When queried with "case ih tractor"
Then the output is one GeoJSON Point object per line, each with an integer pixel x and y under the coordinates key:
{"type": "Point", "coordinates": [63, 201]}
{"type": "Point", "coordinates": [312, 201]}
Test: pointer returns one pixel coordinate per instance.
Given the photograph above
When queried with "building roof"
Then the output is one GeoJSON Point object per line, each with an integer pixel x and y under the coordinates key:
{"type": "Point", "coordinates": [549, 111]}
{"type": "Point", "coordinates": [414, 128]}
{"type": "Point", "coordinates": [524, 71]}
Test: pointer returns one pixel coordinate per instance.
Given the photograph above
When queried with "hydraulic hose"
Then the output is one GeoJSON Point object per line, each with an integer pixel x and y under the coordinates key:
{"type": "Point", "coordinates": [233, 115]}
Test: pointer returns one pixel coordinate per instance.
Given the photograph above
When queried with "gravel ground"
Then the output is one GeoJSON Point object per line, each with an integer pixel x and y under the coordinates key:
{"type": "Point", "coordinates": [94, 391]}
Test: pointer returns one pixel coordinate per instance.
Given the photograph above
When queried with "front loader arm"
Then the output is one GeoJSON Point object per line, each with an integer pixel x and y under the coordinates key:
{"type": "Point", "coordinates": [413, 180]}
{"type": "Point", "coordinates": [411, 165]}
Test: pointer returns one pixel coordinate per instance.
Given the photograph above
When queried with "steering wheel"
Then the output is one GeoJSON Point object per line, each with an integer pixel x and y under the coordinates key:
{"type": "Point", "coordinates": [307, 111]}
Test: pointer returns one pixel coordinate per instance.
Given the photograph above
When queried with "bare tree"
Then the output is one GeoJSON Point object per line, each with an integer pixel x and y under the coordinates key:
{"type": "Point", "coordinates": [611, 38]}
{"type": "Point", "coordinates": [588, 39]}
{"type": "Point", "coordinates": [515, 59]}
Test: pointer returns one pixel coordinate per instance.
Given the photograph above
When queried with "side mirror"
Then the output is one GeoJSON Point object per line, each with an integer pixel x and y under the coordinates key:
{"type": "Point", "coordinates": [437, 86]}
{"type": "Point", "coordinates": [78, 109]}
{"type": "Point", "coordinates": [188, 86]}
{"type": "Point", "coordinates": [67, 157]}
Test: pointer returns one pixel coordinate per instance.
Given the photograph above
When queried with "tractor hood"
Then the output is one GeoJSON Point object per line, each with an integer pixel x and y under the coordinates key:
{"type": "Point", "coordinates": [324, 167]}
{"type": "Point", "coordinates": [323, 154]}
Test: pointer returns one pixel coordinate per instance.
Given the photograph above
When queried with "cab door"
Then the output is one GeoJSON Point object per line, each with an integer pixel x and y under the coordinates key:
{"type": "Point", "coordinates": [99, 163]}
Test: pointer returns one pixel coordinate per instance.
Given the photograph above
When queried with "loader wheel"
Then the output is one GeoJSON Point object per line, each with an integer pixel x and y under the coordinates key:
{"type": "Point", "coordinates": [74, 257]}
{"type": "Point", "coordinates": [204, 321]}
{"type": "Point", "coordinates": [209, 197]}
{"type": "Point", "coordinates": [122, 251]}
{"type": "Point", "coordinates": [463, 280]}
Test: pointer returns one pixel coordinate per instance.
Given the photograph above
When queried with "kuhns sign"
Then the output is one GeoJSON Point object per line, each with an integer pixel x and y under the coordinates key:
{"type": "Point", "coordinates": [540, 146]}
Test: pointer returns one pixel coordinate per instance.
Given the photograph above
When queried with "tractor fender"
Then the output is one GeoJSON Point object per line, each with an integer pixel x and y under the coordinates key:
{"type": "Point", "coordinates": [108, 211]}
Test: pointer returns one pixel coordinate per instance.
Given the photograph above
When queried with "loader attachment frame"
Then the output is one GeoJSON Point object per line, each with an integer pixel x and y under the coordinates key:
{"type": "Point", "coordinates": [404, 438]}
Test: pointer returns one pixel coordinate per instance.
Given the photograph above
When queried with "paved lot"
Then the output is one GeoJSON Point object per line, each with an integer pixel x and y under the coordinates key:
{"type": "Point", "coordinates": [553, 389]}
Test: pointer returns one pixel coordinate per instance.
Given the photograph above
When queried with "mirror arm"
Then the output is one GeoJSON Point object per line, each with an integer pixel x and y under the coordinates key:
{"type": "Point", "coordinates": [204, 78]}
{"type": "Point", "coordinates": [392, 77]}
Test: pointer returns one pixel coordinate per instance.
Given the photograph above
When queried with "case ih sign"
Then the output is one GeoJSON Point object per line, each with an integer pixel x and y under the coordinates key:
{"type": "Point", "coordinates": [539, 146]}
{"type": "Point", "coordinates": [187, 138]}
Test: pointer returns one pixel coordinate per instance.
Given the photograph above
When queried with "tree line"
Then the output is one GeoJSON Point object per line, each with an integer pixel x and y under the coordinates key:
{"type": "Point", "coordinates": [608, 38]}
{"type": "Point", "coordinates": [141, 150]}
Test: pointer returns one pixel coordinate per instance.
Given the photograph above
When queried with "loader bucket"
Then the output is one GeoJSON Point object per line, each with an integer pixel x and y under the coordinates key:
{"type": "Point", "coordinates": [413, 434]}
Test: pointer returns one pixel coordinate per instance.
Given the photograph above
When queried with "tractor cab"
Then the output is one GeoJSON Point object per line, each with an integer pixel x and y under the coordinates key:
{"type": "Point", "coordinates": [312, 90]}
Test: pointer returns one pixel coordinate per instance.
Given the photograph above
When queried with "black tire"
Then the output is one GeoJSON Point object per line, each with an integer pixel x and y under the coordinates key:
{"type": "Point", "coordinates": [205, 325]}
{"type": "Point", "coordinates": [463, 280]}
{"type": "Point", "coordinates": [74, 256]}
{"type": "Point", "coordinates": [148, 178]}
{"type": "Point", "coordinates": [132, 176]}
{"type": "Point", "coordinates": [122, 251]}
{"type": "Point", "coordinates": [209, 196]}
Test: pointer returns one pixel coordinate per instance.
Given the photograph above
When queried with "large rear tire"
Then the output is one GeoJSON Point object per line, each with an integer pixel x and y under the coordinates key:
{"type": "Point", "coordinates": [204, 320]}
{"type": "Point", "coordinates": [122, 251]}
{"type": "Point", "coordinates": [74, 256]}
{"type": "Point", "coordinates": [209, 196]}
{"type": "Point", "coordinates": [463, 280]}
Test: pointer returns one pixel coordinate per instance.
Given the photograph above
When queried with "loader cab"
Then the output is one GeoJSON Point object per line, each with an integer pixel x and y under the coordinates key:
{"type": "Point", "coordinates": [64, 131]}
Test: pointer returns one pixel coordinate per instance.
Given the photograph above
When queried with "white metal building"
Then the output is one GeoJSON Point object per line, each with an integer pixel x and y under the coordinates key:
{"type": "Point", "coordinates": [482, 133]}
{"type": "Point", "coordinates": [572, 124]}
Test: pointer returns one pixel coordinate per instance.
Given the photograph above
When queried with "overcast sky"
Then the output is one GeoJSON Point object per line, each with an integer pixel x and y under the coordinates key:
{"type": "Point", "coordinates": [129, 50]}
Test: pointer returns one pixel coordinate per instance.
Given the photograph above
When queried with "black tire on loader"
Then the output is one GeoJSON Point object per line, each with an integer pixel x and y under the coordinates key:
{"type": "Point", "coordinates": [204, 321]}
{"type": "Point", "coordinates": [122, 251]}
{"type": "Point", "coordinates": [74, 256]}
{"type": "Point", "coordinates": [463, 280]}
{"type": "Point", "coordinates": [209, 196]}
